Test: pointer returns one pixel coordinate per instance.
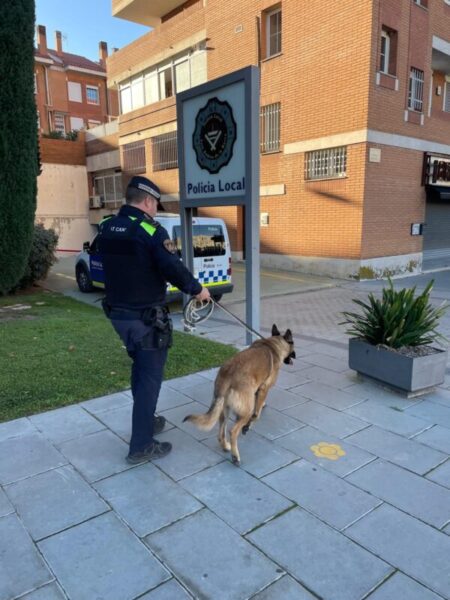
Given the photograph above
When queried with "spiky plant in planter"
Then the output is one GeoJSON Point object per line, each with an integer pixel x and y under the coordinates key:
{"type": "Point", "coordinates": [398, 319]}
{"type": "Point", "coordinates": [400, 323]}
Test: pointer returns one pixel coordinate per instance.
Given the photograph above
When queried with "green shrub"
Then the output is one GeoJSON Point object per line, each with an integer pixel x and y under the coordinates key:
{"type": "Point", "coordinates": [54, 135]}
{"type": "Point", "coordinates": [399, 319]}
{"type": "Point", "coordinates": [41, 258]}
{"type": "Point", "coordinates": [18, 139]}
{"type": "Point", "coordinates": [72, 135]}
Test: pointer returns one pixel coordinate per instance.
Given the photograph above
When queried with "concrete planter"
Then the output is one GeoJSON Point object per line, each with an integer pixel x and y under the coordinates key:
{"type": "Point", "coordinates": [411, 375]}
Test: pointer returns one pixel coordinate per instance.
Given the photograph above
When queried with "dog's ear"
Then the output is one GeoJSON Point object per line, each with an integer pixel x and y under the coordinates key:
{"type": "Point", "coordinates": [275, 330]}
{"type": "Point", "coordinates": [288, 336]}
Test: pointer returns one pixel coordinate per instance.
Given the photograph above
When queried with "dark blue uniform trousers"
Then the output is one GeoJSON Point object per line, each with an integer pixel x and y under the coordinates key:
{"type": "Point", "coordinates": [146, 377]}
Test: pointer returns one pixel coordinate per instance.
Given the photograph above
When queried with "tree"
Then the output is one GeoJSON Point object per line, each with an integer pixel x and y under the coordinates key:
{"type": "Point", "coordinates": [18, 139]}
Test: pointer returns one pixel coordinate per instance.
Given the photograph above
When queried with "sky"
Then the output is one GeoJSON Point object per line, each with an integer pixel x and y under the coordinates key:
{"type": "Point", "coordinates": [83, 24]}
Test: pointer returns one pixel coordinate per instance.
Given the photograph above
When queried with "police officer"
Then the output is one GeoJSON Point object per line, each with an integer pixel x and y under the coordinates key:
{"type": "Point", "coordinates": [138, 259]}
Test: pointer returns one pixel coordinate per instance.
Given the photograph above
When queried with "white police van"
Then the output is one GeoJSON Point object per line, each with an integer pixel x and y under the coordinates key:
{"type": "Point", "coordinates": [212, 256]}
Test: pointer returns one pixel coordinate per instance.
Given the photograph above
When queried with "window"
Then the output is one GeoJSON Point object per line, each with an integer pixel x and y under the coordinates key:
{"type": "Point", "coordinates": [58, 123]}
{"type": "Point", "coordinates": [74, 90]}
{"type": "Point", "coordinates": [109, 187]}
{"type": "Point", "coordinates": [326, 164]}
{"type": "Point", "coordinates": [164, 80]}
{"type": "Point", "coordinates": [165, 151]}
{"type": "Point", "coordinates": [137, 91]}
{"type": "Point", "coordinates": [92, 96]}
{"type": "Point", "coordinates": [151, 88]}
{"type": "Point", "coordinates": [273, 32]}
{"type": "Point", "coordinates": [92, 123]}
{"type": "Point", "coordinates": [182, 76]}
{"type": "Point", "coordinates": [385, 50]}
{"type": "Point", "coordinates": [415, 95]}
{"type": "Point", "coordinates": [35, 84]}
{"type": "Point", "coordinates": [423, 3]}
{"type": "Point", "coordinates": [208, 240]}
{"type": "Point", "coordinates": [388, 51]}
{"type": "Point", "coordinates": [134, 157]}
{"type": "Point", "coordinates": [270, 128]}
{"type": "Point", "coordinates": [125, 98]}
{"type": "Point", "coordinates": [165, 83]}
{"type": "Point", "coordinates": [447, 97]}
{"type": "Point", "coordinates": [76, 123]}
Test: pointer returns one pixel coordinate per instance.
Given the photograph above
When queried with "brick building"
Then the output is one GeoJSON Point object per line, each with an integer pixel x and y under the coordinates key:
{"type": "Point", "coordinates": [71, 94]}
{"type": "Point", "coordinates": [71, 90]}
{"type": "Point", "coordinates": [355, 121]}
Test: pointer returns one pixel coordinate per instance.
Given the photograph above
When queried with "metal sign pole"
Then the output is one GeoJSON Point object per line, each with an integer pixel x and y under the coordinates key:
{"type": "Point", "coordinates": [187, 243]}
{"type": "Point", "coordinates": [252, 225]}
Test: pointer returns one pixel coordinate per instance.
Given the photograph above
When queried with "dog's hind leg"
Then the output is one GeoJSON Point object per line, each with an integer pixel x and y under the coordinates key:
{"type": "Point", "coordinates": [223, 430]}
{"type": "Point", "coordinates": [234, 433]}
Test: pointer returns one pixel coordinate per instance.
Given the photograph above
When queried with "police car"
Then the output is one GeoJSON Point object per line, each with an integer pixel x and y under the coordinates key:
{"type": "Point", "coordinates": [212, 257]}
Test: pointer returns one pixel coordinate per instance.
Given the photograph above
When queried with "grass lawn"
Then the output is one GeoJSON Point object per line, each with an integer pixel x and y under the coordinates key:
{"type": "Point", "coordinates": [60, 351]}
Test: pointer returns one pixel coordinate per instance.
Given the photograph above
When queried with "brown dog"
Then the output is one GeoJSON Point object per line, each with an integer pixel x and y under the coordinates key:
{"type": "Point", "coordinates": [241, 386]}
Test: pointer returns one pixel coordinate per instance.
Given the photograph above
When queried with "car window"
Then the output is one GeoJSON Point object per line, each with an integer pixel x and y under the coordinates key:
{"type": "Point", "coordinates": [208, 240]}
{"type": "Point", "coordinates": [94, 249]}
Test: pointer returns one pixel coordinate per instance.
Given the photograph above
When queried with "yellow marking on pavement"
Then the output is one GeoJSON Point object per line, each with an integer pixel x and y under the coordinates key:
{"type": "Point", "coordinates": [282, 277]}
{"type": "Point", "coordinates": [66, 276]}
{"type": "Point", "coordinates": [326, 450]}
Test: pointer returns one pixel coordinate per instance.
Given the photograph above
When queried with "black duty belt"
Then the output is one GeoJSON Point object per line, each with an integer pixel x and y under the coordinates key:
{"type": "Point", "coordinates": [150, 314]}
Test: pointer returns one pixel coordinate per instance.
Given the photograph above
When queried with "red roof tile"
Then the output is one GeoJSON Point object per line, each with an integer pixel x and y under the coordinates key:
{"type": "Point", "coordinates": [71, 60]}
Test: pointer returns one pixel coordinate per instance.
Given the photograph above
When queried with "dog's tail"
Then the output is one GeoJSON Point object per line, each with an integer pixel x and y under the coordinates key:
{"type": "Point", "coordinates": [209, 419]}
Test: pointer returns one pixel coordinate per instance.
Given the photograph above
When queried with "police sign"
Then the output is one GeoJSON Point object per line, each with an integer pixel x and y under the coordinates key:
{"type": "Point", "coordinates": [214, 140]}
{"type": "Point", "coordinates": [218, 161]}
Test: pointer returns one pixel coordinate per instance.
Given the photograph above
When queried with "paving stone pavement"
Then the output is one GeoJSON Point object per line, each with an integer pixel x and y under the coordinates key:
{"type": "Point", "coordinates": [343, 492]}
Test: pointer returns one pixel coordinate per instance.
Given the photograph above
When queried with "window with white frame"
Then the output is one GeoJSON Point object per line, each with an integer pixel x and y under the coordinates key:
{"type": "Point", "coordinates": [165, 151]}
{"type": "Point", "coordinates": [76, 123]}
{"type": "Point", "coordinates": [92, 95]}
{"type": "Point", "coordinates": [74, 89]}
{"type": "Point", "coordinates": [446, 106]}
{"type": "Point", "coordinates": [137, 91]}
{"type": "Point", "coordinates": [35, 84]}
{"type": "Point", "coordinates": [164, 80]}
{"type": "Point", "coordinates": [273, 32]}
{"type": "Point", "coordinates": [330, 163]}
{"type": "Point", "coordinates": [385, 51]}
{"type": "Point", "coordinates": [109, 187]}
{"type": "Point", "coordinates": [423, 3]}
{"type": "Point", "coordinates": [270, 127]}
{"type": "Point", "coordinates": [415, 94]}
{"type": "Point", "coordinates": [59, 123]}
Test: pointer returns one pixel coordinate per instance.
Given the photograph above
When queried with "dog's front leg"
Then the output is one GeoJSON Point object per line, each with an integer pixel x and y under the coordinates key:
{"type": "Point", "coordinates": [247, 425]}
{"type": "Point", "coordinates": [260, 401]}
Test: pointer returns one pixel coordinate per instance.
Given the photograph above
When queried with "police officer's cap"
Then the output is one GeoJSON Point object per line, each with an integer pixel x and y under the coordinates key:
{"type": "Point", "coordinates": [144, 184]}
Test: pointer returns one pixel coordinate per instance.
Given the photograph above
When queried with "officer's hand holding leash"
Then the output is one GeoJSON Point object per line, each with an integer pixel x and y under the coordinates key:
{"type": "Point", "coordinates": [204, 295]}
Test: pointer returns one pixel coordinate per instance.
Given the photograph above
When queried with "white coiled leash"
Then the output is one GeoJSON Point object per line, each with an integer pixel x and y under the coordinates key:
{"type": "Point", "coordinates": [199, 311]}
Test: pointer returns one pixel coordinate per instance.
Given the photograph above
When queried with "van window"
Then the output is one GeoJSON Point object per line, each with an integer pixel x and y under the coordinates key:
{"type": "Point", "coordinates": [208, 240]}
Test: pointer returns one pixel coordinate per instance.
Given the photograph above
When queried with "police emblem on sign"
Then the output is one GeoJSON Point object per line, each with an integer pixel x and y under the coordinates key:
{"type": "Point", "coordinates": [214, 135]}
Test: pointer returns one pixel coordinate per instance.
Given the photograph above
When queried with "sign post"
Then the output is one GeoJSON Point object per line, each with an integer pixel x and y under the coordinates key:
{"type": "Point", "coordinates": [218, 158]}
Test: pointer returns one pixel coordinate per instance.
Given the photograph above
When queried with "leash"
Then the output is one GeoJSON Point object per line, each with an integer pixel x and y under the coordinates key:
{"type": "Point", "coordinates": [198, 311]}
